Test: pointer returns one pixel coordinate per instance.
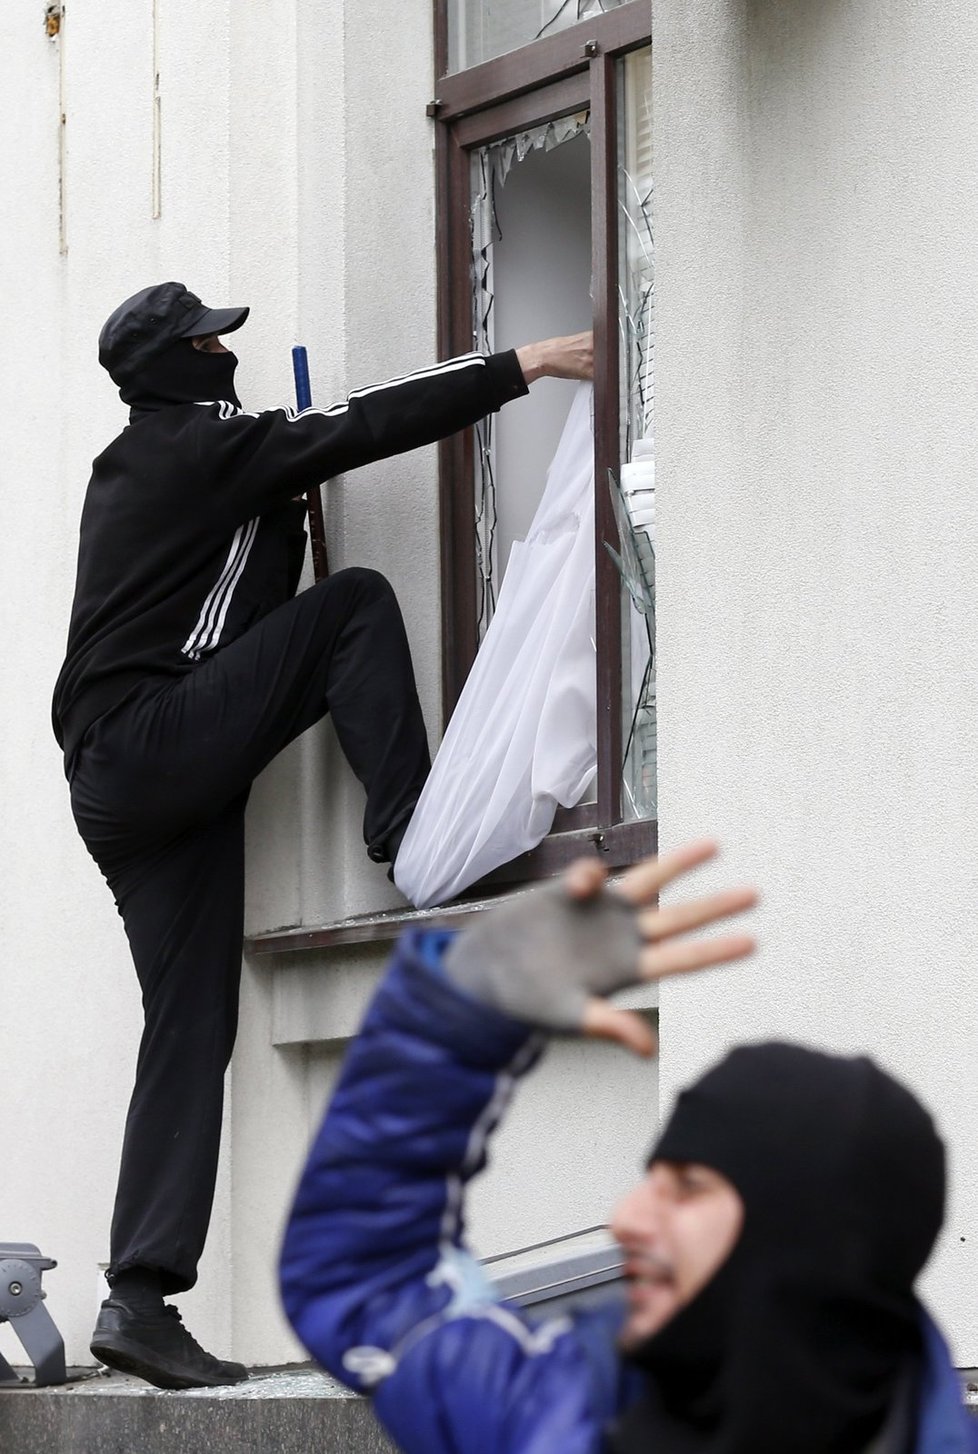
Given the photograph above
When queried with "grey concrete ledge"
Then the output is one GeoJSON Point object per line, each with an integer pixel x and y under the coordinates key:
{"type": "Point", "coordinates": [278, 1411]}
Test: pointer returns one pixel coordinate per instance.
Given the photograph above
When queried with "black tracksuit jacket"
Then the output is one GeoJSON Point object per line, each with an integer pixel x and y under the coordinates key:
{"type": "Point", "coordinates": [190, 533]}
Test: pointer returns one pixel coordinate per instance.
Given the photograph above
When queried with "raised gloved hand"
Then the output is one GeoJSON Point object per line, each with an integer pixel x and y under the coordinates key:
{"type": "Point", "coordinates": [550, 957]}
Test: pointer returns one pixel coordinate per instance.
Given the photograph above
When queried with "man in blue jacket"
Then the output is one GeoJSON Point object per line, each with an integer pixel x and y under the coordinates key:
{"type": "Point", "coordinates": [770, 1250]}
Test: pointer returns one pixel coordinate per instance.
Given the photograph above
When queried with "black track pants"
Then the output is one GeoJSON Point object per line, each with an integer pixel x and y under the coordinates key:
{"type": "Point", "coordinates": [158, 790]}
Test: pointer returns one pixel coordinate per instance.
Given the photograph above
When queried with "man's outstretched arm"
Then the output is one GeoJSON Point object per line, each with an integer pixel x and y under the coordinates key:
{"type": "Point", "coordinates": [259, 459]}
{"type": "Point", "coordinates": [375, 1275]}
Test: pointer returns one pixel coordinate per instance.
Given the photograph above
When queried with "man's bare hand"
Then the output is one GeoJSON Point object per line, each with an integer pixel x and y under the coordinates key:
{"type": "Point", "coordinates": [558, 358]}
{"type": "Point", "coordinates": [552, 957]}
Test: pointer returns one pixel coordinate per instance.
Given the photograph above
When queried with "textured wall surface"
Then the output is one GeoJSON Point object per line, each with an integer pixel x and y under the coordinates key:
{"type": "Point", "coordinates": [817, 302]}
{"type": "Point", "coordinates": [70, 1008]}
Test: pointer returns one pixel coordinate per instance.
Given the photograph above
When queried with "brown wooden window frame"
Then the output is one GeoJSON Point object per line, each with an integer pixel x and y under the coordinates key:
{"type": "Point", "coordinates": [559, 75]}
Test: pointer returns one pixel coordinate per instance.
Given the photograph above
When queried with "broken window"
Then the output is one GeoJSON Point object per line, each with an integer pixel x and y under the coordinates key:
{"type": "Point", "coordinates": [545, 227]}
{"type": "Point", "coordinates": [531, 274]}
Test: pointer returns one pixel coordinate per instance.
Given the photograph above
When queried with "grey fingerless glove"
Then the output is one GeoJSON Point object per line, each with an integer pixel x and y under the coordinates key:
{"type": "Point", "coordinates": [541, 957]}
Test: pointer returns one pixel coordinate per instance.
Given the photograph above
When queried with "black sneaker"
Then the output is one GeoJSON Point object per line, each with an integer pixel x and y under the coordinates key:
{"type": "Point", "coordinates": [157, 1347]}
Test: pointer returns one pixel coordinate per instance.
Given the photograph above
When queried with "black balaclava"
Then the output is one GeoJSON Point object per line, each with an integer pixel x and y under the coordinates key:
{"type": "Point", "coordinates": [796, 1344]}
{"type": "Point", "coordinates": [179, 374]}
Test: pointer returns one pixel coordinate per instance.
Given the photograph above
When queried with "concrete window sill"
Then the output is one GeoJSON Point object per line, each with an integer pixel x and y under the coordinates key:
{"type": "Point", "coordinates": [386, 924]}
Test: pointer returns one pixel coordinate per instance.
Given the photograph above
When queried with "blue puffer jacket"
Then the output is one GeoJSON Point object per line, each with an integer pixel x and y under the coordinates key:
{"type": "Point", "coordinates": [375, 1276]}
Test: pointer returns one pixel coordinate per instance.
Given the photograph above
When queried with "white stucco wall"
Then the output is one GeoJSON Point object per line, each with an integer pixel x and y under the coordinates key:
{"type": "Point", "coordinates": [817, 302]}
{"type": "Point", "coordinates": [70, 1009]}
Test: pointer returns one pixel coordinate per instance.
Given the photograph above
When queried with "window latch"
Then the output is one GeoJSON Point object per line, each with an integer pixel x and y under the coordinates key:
{"type": "Point", "coordinates": [432, 109]}
{"type": "Point", "coordinates": [591, 48]}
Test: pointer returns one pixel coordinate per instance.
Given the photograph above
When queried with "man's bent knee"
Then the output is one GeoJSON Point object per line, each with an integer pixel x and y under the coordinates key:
{"type": "Point", "coordinates": [362, 581]}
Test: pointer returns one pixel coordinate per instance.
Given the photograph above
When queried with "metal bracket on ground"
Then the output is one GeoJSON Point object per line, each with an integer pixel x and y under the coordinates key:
{"type": "Point", "coordinates": [22, 1306]}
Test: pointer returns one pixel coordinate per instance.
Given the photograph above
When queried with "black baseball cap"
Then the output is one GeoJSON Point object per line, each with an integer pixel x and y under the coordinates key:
{"type": "Point", "coordinates": [151, 320]}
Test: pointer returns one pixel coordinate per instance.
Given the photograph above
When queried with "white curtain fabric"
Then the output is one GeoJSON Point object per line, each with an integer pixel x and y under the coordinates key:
{"type": "Point", "coordinates": [522, 738]}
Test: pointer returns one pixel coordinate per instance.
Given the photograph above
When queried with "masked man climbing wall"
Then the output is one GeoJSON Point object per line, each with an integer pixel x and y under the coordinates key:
{"type": "Point", "coordinates": [190, 664]}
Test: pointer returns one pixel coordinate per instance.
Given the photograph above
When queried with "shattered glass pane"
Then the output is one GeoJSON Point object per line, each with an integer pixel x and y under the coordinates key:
{"type": "Point", "coordinates": [634, 491]}
{"type": "Point", "coordinates": [636, 563]}
{"type": "Point", "coordinates": [491, 166]}
{"type": "Point", "coordinates": [478, 30]}
{"type": "Point", "coordinates": [637, 247]}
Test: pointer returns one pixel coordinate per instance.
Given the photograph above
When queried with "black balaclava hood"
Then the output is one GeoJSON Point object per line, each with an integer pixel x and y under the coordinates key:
{"type": "Point", "coordinates": [179, 374]}
{"type": "Point", "coordinates": [796, 1345]}
{"type": "Point", "coordinates": [144, 346]}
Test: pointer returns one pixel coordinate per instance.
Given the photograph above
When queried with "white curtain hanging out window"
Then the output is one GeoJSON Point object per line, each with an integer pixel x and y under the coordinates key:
{"type": "Point", "coordinates": [523, 737]}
